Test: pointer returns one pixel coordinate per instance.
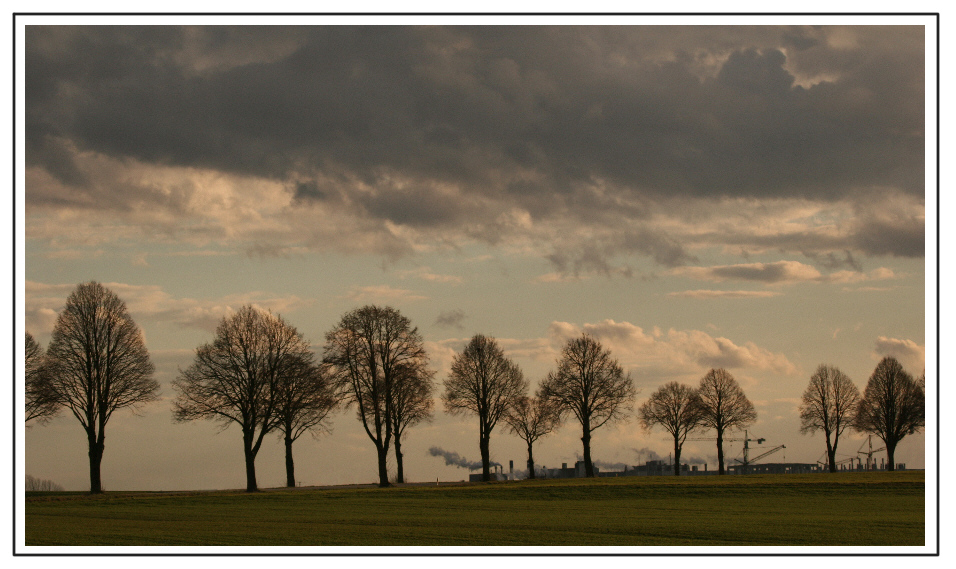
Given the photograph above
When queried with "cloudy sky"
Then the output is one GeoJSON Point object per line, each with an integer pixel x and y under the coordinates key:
{"type": "Point", "coordinates": [746, 197]}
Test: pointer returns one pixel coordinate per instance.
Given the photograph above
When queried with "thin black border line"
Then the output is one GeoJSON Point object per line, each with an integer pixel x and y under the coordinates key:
{"type": "Point", "coordinates": [445, 14]}
{"type": "Point", "coordinates": [442, 14]}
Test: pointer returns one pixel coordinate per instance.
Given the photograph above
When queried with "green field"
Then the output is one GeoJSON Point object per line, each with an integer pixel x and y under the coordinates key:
{"type": "Point", "coordinates": [846, 509]}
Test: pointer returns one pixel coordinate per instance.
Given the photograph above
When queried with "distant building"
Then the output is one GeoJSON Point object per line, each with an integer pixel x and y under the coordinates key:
{"type": "Point", "coordinates": [496, 474]}
{"type": "Point", "coordinates": [775, 468]}
{"type": "Point", "coordinates": [564, 472]}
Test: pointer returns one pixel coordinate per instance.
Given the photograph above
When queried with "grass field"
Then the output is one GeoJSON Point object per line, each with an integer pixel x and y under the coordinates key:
{"type": "Point", "coordinates": [846, 509]}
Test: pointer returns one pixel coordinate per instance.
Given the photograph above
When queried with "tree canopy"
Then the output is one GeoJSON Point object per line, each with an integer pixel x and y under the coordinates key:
{"type": "Point", "coordinates": [368, 351]}
{"type": "Point", "coordinates": [486, 383]}
{"type": "Point", "coordinates": [96, 363]}
{"type": "Point", "coordinates": [828, 404]}
{"type": "Point", "coordinates": [724, 407]}
{"type": "Point", "coordinates": [677, 409]}
{"type": "Point", "coordinates": [239, 377]}
{"type": "Point", "coordinates": [893, 406]}
{"type": "Point", "coordinates": [591, 385]}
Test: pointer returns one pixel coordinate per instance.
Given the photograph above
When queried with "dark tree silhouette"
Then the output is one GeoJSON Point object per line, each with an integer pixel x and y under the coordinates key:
{"type": "Point", "coordinates": [829, 404]}
{"type": "Point", "coordinates": [532, 418]}
{"type": "Point", "coordinates": [677, 409]}
{"type": "Point", "coordinates": [724, 407]}
{"type": "Point", "coordinates": [96, 363]}
{"type": "Point", "coordinates": [893, 406]}
{"type": "Point", "coordinates": [40, 405]}
{"type": "Point", "coordinates": [367, 351]}
{"type": "Point", "coordinates": [306, 397]}
{"type": "Point", "coordinates": [484, 382]}
{"type": "Point", "coordinates": [411, 404]}
{"type": "Point", "coordinates": [239, 376]}
{"type": "Point", "coordinates": [592, 386]}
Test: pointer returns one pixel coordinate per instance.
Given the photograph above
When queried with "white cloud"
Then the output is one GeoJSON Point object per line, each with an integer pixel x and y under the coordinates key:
{"type": "Point", "coordinates": [674, 354]}
{"type": "Point", "coordinates": [151, 302]}
{"type": "Point", "coordinates": [383, 294]}
{"type": "Point", "coordinates": [908, 352]}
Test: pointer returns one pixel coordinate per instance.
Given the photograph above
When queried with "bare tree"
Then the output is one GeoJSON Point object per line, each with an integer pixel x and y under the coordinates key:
{"type": "Point", "coordinates": [97, 362]}
{"type": "Point", "coordinates": [592, 386]}
{"type": "Point", "coordinates": [484, 382]}
{"type": "Point", "coordinates": [829, 404]}
{"type": "Point", "coordinates": [412, 403]}
{"type": "Point", "coordinates": [40, 406]}
{"type": "Point", "coordinates": [306, 397]}
{"type": "Point", "coordinates": [32, 484]}
{"type": "Point", "coordinates": [532, 418]}
{"type": "Point", "coordinates": [724, 407]}
{"type": "Point", "coordinates": [239, 376]}
{"type": "Point", "coordinates": [367, 351]}
{"type": "Point", "coordinates": [677, 408]}
{"type": "Point", "coordinates": [893, 406]}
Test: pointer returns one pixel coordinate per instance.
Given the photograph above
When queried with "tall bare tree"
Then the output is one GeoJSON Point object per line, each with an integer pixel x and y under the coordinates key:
{"type": "Point", "coordinates": [677, 409]}
{"type": "Point", "coordinates": [40, 406]}
{"type": "Point", "coordinates": [532, 418]}
{"type": "Point", "coordinates": [96, 363]}
{"type": "Point", "coordinates": [724, 407]}
{"type": "Point", "coordinates": [486, 383]}
{"type": "Point", "coordinates": [367, 352]}
{"type": "Point", "coordinates": [238, 377]}
{"type": "Point", "coordinates": [829, 404]}
{"type": "Point", "coordinates": [306, 397]}
{"type": "Point", "coordinates": [893, 406]}
{"type": "Point", "coordinates": [592, 386]}
{"type": "Point", "coordinates": [412, 403]}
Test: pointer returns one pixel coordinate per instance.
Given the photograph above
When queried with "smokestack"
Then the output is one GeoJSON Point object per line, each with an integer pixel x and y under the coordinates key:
{"type": "Point", "coordinates": [511, 470]}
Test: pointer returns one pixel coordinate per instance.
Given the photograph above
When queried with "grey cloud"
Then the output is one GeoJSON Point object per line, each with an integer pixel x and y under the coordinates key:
{"type": "Point", "coordinates": [769, 273]}
{"type": "Point", "coordinates": [528, 117]}
{"type": "Point", "coordinates": [900, 238]}
{"type": "Point", "coordinates": [451, 319]}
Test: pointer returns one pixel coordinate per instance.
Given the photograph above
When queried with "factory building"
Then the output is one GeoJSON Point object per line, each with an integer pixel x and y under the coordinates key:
{"type": "Point", "coordinates": [564, 472]}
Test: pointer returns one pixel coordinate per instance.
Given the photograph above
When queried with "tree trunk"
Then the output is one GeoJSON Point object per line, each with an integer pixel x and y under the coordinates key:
{"type": "Point", "coordinates": [383, 467]}
{"type": "Point", "coordinates": [676, 456]}
{"type": "Point", "coordinates": [96, 458]}
{"type": "Point", "coordinates": [400, 478]}
{"type": "Point", "coordinates": [530, 463]}
{"type": "Point", "coordinates": [250, 455]}
{"type": "Point", "coordinates": [484, 444]}
{"type": "Point", "coordinates": [890, 452]}
{"type": "Point", "coordinates": [831, 454]}
{"type": "Point", "coordinates": [289, 464]}
{"type": "Point", "coordinates": [588, 466]}
{"type": "Point", "coordinates": [720, 453]}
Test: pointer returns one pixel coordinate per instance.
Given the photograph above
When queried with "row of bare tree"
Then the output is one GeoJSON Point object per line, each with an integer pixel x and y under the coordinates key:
{"type": "Point", "coordinates": [260, 373]}
{"type": "Point", "coordinates": [892, 406]}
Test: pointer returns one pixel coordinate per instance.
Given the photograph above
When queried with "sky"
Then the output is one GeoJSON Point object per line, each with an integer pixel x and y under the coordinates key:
{"type": "Point", "coordinates": [752, 197]}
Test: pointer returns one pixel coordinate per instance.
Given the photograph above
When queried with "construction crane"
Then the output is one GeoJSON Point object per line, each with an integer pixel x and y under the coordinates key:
{"type": "Point", "coordinates": [747, 462]}
{"type": "Point", "coordinates": [824, 462]}
{"type": "Point", "coordinates": [870, 463]}
{"type": "Point", "coordinates": [746, 441]}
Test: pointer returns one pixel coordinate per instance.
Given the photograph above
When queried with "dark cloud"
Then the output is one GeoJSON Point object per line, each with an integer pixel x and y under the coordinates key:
{"type": "Point", "coordinates": [451, 319]}
{"type": "Point", "coordinates": [428, 127]}
{"type": "Point", "coordinates": [779, 272]}
{"type": "Point", "coordinates": [901, 238]}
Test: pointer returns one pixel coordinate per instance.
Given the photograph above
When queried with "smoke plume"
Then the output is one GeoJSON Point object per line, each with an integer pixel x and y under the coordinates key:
{"type": "Point", "coordinates": [645, 454]}
{"type": "Point", "coordinates": [454, 459]}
